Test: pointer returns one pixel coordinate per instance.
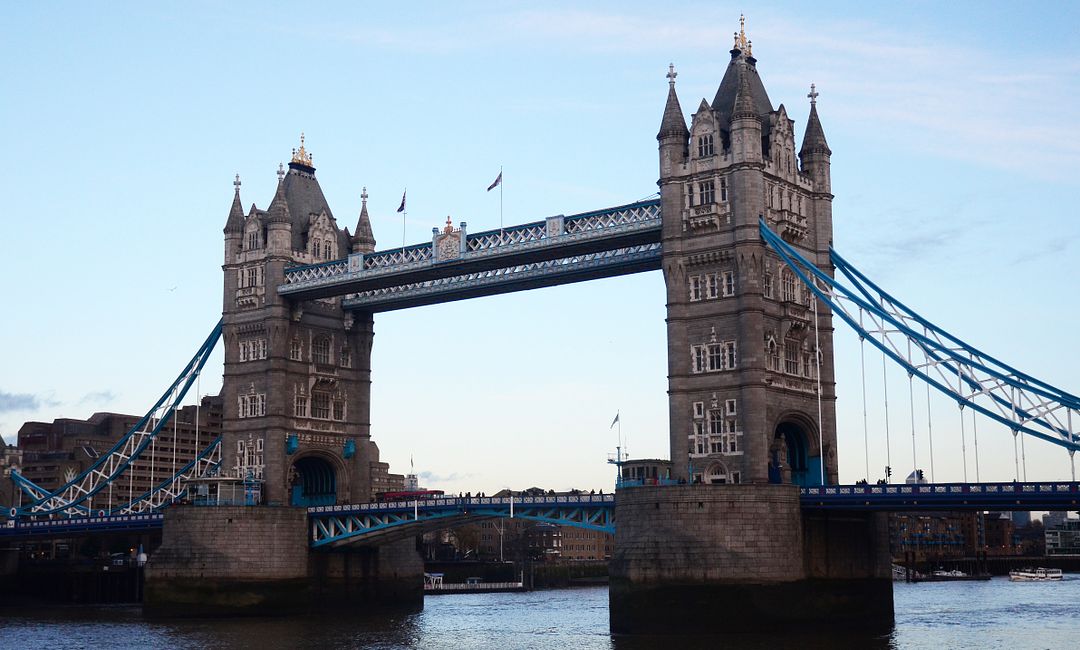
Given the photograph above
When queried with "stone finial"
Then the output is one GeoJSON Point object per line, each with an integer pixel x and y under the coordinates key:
{"type": "Point", "coordinates": [813, 94]}
{"type": "Point", "coordinates": [236, 184]}
{"type": "Point", "coordinates": [280, 172]}
{"type": "Point", "coordinates": [671, 74]}
{"type": "Point", "coordinates": [449, 225]}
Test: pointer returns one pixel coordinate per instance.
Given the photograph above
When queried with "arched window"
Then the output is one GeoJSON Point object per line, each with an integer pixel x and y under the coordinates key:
{"type": "Point", "coordinates": [296, 350]}
{"type": "Point", "coordinates": [316, 248]}
{"type": "Point", "coordinates": [328, 250]}
{"type": "Point", "coordinates": [705, 145]}
{"type": "Point", "coordinates": [716, 473]}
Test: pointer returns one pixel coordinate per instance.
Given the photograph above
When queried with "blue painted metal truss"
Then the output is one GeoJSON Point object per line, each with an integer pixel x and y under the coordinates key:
{"type": "Point", "coordinates": [943, 496]}
{"type": "Point", "coordinates": [75, 497]}
{"type": "Point", "coordinates": [378, 523]}
{"type": "Point", "coordinates": [77, 526]}
{"type": "Point", "coordinates": [456, 265]}
{"type": "Point", "coordinates": [971, 377]}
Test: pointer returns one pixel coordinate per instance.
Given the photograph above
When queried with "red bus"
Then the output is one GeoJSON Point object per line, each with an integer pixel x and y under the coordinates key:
{"type": "Point", "coordinates": [408, 495]}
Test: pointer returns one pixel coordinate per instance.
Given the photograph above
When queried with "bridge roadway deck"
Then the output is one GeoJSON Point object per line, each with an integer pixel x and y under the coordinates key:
{"type": "Point", "coordinates": [332, 525]}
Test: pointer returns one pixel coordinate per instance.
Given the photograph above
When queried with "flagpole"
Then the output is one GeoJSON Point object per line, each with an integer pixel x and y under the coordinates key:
{"type": "Point", "coordinates": [500, 202]}
{"type": "Point", "coordinates": [404, 213]}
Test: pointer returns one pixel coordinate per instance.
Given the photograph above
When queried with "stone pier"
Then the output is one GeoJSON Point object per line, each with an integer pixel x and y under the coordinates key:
{"type": "Point", "coordinates": [235, 561]}
{"type": "Point", "coordinates": [703, 559]}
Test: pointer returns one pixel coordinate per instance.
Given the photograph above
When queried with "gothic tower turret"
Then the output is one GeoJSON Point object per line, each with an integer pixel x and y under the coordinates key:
{"type": "Point", "coordinates": [816, 162]}
{"type": "Point", "coordinates": [363, 240]}
{"type": "Point", "coordinates": [742, 363]}
{"type": "Point", "coordinates": [297, 380]}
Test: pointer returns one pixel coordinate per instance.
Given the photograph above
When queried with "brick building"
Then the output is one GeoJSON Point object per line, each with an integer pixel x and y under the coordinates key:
{"type": "Point", "coordinates": [53, 453]}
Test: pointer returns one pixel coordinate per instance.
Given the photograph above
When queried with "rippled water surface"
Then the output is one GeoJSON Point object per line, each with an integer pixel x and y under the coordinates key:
{"type": "Point", "coordinates": [994, 614]}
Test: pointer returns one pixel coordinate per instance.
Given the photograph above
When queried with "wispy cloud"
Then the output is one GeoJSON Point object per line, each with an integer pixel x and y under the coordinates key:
{"type": "Point", "coordinates": [432, 477]}
{"type": "Point", "coordinates": [23, 402]}
{"type": "Point", "coordinates": [98, 397]}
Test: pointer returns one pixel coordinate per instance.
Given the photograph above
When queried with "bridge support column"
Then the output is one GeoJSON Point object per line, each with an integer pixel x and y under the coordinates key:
{"type": "Point", "coordinates": [725, 558]}
{"type": "Point", "coordinates": [235, 561]}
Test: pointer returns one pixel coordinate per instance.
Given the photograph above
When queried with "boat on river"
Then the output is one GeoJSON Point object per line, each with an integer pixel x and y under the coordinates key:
{"type": "Point", "coordinates": [1035, 575]}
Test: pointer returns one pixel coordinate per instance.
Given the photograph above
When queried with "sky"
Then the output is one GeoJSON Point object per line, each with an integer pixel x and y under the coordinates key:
{"type": "Point", "coordinates": [955, 149]}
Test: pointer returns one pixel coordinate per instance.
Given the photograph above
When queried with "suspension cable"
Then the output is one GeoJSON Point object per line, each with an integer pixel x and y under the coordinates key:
{"type": "Point", "coordinates": [911, 405]}
{"type": "Point", "coordinates": [1023, 457]}
{"type": "Point", "coordinates": [174, 421]}
{"type": "Point", "coordinates": [1072, 452]}
{"type": "Point", "coordinates": [862, 370]}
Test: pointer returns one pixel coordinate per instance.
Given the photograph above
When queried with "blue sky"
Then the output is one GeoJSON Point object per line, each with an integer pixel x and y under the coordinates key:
{"type": "Point", "coordinates": [954, 141]}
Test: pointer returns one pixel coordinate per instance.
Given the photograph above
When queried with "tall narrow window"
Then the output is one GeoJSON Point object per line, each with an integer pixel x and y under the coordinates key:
{"type": "Point", "coordinates": [339, 410]}
{"type": "Point", "coordinates": [346, 357]}
{"type": "Point", "coordinates": [320, 406]}
{"type": "Point", "coordinates": [716, 357]}
{"type": "Point", "coordinates": [705, 145]}
{"type": "Point", "coordinates": [300, 406]}
{"type": "Point", "coordinates": [690, 194]}
{"type": "Point", "coordinates": [316, 249]}
{"type": "Point", "coordinates": [787, 285]}
{"type": "Point", "coordinates": [791, 357]}
{"type": "Point", "coordinates": [723, 190]}
{"type": "Point", "coordinates": [697, 358]}
{"type": "Point", "coordinates": [729, 284]}
{"type": "Point", "coordinates": [320, 351]}
{"type": "Point", "coordinates": [296, 352]}
{"type": "Point", "coordinates": [328, 251]}
{"type": "Point", "coordinates": [766, 285]}
{"type": "Point", "coordinates": [711, 286]}
{"type": "Point", "coordinates": [695, 287]}
{"type": "Point", "coordinates": [708, 192]}
{"type": "Point", "coordinates": [729, 355]}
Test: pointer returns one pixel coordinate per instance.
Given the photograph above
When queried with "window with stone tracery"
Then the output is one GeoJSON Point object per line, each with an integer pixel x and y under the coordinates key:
{"type": "Point", "coordinates": [320, 406]}
{"type": "Point", "coordinates": [320, 351]}
{"type": "Point", "coordinates": [296, 351]}
{"type": "Point", "coordinates": [708, 192]}
{"type": "Point", "coordinates": [729, 283]}
{"type": "Point", "coordinates": [705, 145]}
{"type": "Point", "coordinates": [316, 248]}
{"type": "Point", "coordinates": [766, 285]}
{"type": "Point", "coordinates": [346, 356]}
{"type": "Point", "coordinates": [711, 286]}
{"type": "Point", "coordinates": [792, 354]}
{"type": "Point", "coordinates": [787, 285]}
{"type": "Point", "coordinates": [723, 190]}
{"type": "Point", "coordinates": [772, 355]}
{"type": "Point", "coordinates": [695, 287]}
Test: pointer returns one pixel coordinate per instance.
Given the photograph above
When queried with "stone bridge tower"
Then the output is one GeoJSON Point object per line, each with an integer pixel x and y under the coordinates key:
{"type": "Point", "coordinates": [743, 355]}
{"type": "Point", "coordinates": [297, 374]}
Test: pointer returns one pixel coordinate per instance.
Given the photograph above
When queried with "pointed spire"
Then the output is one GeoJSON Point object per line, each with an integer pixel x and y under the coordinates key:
{"type": "Point", "coordinates": [279, 208]}
{"type": "Point", "coordinates": [744, 100]}
{"type": "Point", "coordinates": [673, 124]}
{"type": "Point", "coordinates": [235, 222]}
{"type": "Point", "coordinates": [814, 138]}
{"type": "Point", "coordinates": [363, 241]}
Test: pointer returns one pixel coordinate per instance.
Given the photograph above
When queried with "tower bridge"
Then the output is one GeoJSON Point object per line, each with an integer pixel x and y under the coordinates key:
{"type": "Point", "coordinates": [750, 521]}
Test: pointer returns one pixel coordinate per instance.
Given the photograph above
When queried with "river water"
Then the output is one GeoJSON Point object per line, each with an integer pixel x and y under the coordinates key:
{"type": "Point", "coordinates": [943, 615]}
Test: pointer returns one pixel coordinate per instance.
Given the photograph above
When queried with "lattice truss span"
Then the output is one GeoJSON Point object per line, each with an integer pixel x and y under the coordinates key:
{"type": "Point", "coordinates": [555, 237]}
{"type": "Point", "coordinates": [564, 269]}
{"type": "Point", "coordinates": [379, 522]}
{"type": "Point", "coordinates": [76, 496]}
{"type": "Point", "coordinates": [969, 376]}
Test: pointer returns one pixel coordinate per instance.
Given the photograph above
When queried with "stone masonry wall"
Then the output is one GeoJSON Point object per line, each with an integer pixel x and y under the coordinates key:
{"type": "Point", "coordinates": [709, 533]}
{"type": "Point", "coordinates": [232, 543]}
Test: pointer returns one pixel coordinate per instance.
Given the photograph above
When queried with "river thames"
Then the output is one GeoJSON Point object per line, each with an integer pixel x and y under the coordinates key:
{"type": "Point", "coordinates": [993, 614]}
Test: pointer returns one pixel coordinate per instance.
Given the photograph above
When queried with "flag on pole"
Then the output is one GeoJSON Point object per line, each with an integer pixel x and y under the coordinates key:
{"type": "Point", "coordinates": [497, 182]}
{"type": "Point", "coordinates": [615, 421]}
{"type": "Point", "coordinates": [401, 208]}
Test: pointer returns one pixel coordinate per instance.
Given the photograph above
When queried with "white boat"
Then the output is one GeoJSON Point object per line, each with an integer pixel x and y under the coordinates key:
{"type": "Point", "coordinates": [1035, 575]}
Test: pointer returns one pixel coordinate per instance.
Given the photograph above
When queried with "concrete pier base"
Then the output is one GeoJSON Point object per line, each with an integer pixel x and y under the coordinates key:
{"type": "Point", "coordinates": [703, 559]}
{"type": "Point", "coordinates": [236, 561]}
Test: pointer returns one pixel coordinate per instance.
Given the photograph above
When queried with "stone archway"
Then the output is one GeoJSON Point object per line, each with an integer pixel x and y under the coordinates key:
{"type": "Point", "coordinates": [716, 473]}
{"type": "Point", "coordinates": [793, 456]}
{"type": "Point", "coordinates": [312, 482]}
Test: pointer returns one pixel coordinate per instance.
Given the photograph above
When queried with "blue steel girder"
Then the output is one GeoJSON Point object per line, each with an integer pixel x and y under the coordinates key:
{"type": "Point", "coordinates": [573, 239]}
{"type": "Point", "coordinates": [1041, 495]}
{"type": "Point", "coordinates": [379, 523]}
{"type": "Point", "coordinates": [534, 275]}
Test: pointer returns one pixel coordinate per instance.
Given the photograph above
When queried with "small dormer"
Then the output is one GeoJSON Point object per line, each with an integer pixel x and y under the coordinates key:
{"type": "Point", "coordinates": [781, 150]}
{"type": "Point", "coordinates": [705, 138]}
{"type": "Point", "coordinates": [322, 237]}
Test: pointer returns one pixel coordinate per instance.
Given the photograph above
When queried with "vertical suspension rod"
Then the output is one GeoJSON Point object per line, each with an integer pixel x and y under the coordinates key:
{"type": "Point", "coordinates": [862, 370]}
{"type": "Point", "coordinates": [911, 406]}
{"type": "Point", "coordinates": [929, 419]}
{"type": "Point", "coordinates": [817, 360]}
{"type": "Point", "coordinates": [963, 435]}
